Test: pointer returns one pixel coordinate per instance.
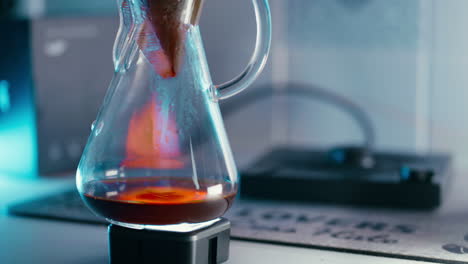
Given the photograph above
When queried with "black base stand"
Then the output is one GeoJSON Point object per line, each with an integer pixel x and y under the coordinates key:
{"type": "Point", "coordinates": [209, 245]}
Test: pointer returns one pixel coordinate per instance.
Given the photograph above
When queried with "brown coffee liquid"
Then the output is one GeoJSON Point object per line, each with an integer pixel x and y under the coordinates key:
{"type": "Point", "coordinates": [154, 201]}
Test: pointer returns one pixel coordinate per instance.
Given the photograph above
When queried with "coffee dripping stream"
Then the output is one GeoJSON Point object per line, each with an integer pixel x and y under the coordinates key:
{"type": "Point", "coordinates": [168, 20]}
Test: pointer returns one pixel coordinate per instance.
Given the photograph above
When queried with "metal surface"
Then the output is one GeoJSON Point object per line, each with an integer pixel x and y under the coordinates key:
{"type": "Point", "coordinates": [56, 243]}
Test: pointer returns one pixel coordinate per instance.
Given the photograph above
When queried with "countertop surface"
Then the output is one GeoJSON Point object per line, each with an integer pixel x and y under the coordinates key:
{"type": "Point", "coordinates": [27, 240]}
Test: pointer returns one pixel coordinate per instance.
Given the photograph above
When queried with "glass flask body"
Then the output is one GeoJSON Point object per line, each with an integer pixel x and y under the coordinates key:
{"type": "Point", "coordinates": [158, 155]}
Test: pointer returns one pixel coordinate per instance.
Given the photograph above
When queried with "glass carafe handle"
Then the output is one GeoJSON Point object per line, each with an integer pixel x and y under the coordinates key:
{"type": "Point", "coordinates": [259, 57]}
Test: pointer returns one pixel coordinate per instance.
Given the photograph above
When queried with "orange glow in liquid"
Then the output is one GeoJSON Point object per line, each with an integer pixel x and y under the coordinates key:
{"type": "Point", "coordinates": [152, 140]}
{"type": "Point", "coordinates": [143, 202]}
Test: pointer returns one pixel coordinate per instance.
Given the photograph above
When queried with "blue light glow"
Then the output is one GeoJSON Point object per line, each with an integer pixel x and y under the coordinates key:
{"type": "Point", "coordinates": [18, 140]}
{"type": "Point", "coordinates": [4, 96]}
{"type": "Point", "coordinates": [18, 143]}
{"type": "Point", "coordinates": [338, 155]}
{"type": "Point", "coordinates": [405, 173]}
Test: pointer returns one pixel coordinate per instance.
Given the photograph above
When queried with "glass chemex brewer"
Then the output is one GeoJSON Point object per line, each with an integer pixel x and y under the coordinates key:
{"type": "Point", "coordinates": [158, 165]}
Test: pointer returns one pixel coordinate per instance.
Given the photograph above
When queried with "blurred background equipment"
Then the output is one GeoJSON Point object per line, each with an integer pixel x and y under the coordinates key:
{"type": "Point", "coordinates": [345, 174]}
{"type": "Point", "coordinates": [54, 72]}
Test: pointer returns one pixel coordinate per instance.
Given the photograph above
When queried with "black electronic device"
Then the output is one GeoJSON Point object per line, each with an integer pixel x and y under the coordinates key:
{"type": "Point", "coordinates": [209, 245]}
{"type": "Point", "coordinates": [54, 73]}
{"type": "Point", "coordinates": [395, 180]}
